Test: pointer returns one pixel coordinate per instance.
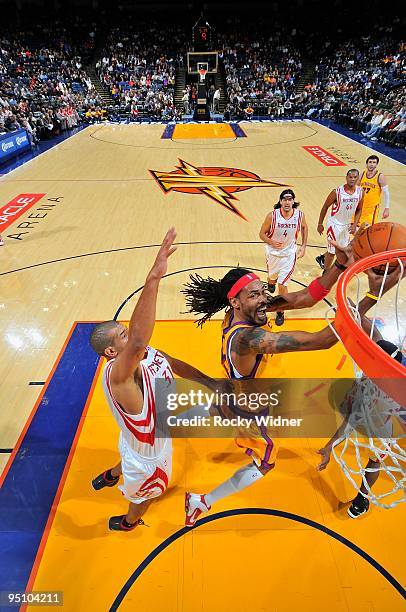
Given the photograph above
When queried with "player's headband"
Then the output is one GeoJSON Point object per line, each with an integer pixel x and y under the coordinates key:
{"type": "Point", "coordinates": [241, 283]}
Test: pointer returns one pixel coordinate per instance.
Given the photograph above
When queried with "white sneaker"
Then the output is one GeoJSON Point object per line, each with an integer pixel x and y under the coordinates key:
{"type": "Point", "coordinates": [195, 505]}
{"type": "Point", "coordinates": [1, 242]}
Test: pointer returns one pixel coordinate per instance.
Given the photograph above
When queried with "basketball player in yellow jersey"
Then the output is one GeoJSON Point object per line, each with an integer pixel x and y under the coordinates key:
{"type": "Point", "coordinates": [374, 184]}
{"type": "Point", "coordinates": [246, 344]}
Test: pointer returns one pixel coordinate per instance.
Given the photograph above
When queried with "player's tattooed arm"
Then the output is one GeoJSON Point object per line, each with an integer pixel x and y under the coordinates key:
{"type": "Point", "coordinates": [258, 341]}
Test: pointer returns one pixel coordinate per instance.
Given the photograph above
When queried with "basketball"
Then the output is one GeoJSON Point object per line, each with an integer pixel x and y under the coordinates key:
{"type": "Point", "coordinates": [378, 238]}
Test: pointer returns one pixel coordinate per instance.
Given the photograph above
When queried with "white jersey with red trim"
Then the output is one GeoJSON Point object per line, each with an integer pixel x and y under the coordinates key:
{"type": "Point", "coordinates": [140, 431]}
{"type": "Point", "coordinates": [285, 231]}
{"type": "Point", "coordinates": [345, 205]}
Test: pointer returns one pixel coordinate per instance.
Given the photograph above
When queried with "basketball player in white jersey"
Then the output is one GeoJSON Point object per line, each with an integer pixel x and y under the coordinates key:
{"type": "Point", "coordinates": [280, 232]}
{"type": "Point", "coordinates": [345, 202]}
{"type": "Point", "coordinates": [129, 383]}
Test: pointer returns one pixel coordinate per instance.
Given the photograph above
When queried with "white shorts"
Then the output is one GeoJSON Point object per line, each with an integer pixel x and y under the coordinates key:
{"type": "Point", "coordinates": [144, 478]}
{"type": "Point", "coordinates": [339, 233]}
{"type": "Point", "coordinates": [280, 267]}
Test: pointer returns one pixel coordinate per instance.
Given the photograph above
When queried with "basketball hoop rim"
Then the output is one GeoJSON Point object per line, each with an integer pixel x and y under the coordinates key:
{"type": "Point", "coordinates": [374, 362]}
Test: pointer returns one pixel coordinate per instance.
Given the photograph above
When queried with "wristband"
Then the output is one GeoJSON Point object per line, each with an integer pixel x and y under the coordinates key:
{"type": "Point", "coordinates": [317, 291]}
{"type": "Point", "coordinates": [340, 266]}
{"type": "Point", "coordinates": [372, 296]}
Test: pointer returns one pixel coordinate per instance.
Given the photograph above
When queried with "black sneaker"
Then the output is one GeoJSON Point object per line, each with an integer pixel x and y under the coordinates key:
{"type": "Point", "coordinates": [119, 523]}
{"type": "Point", "coordinates": [359, 506]}
{"type": "Point", "coordinates": [105, 480]}
{"type": "Point", "coordinates": [280, 318]}
{"type": "Point", "coordinates": [320, 261]}
{"type": "Point", "coordinates": [271, 287]}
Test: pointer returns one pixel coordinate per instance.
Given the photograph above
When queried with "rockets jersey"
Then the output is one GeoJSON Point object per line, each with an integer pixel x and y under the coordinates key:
{"type": "Point", "coordinates": [344, 207]}
{"type": "Point", "coordinates": [140, 430]}
{"type": "Point", "coordinates": [285, 231]}
{"type": "Point", "coordinates": [228, 330]}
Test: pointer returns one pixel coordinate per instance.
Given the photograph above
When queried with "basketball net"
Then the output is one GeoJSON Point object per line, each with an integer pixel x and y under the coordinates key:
{"type": "Point", "coordinates": [202, 73]}
{"type": "Point", "coordinates": [373, 419]}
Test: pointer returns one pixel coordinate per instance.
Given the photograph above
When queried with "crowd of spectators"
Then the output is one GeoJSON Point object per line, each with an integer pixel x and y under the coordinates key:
{"type": "Point", "coordinates": [45, 89]}
{"type": "Point", "coordinates": [362, 85]}
{"type": "Point", "coordinates": [138, 66]}
{"type": "Point", "coordinates": [43, 85]}
{"type": "Point", "coordinates": [261, 75]}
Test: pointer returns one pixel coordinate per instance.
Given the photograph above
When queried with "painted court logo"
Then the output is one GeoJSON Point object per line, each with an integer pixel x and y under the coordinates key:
{"type": "Point", "coordinates": [216, 183]}
{"type": "Point", "coordinates": [326, 158]}
{"type": "Point", "coordinates": [11, 211]}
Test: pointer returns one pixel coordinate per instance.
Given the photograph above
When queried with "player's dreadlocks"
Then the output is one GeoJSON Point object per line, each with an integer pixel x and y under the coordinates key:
{"type": "Point", "coordinates": [207, 296]}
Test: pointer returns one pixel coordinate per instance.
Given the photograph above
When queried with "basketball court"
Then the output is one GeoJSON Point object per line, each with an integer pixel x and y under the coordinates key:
{"type": "Point", "coordinates": [91, 214]}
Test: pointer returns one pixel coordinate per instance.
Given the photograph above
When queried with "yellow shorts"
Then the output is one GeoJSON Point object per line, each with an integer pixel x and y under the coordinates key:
{"type": "Point", "coordinates": [263, 450]}
{"type": "Point", "coordinates": [369, 217]}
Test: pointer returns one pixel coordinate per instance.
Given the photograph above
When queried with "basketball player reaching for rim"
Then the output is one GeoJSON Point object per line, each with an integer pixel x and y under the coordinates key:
{"type": "Point", "coordinates": [346, 203]}
{"type": "Point", "coordinates": [373, 184]}
{"type": "Point", "coordinates": [366, 397]}
{"type": "Point", "coordinates": [366, 407]}
{"type": "Point", "coordinates": [280, 232]}
{"type": "Point", "coordinates": [246, 345]}
{"type": "Point", "coordinates": [129, 382]}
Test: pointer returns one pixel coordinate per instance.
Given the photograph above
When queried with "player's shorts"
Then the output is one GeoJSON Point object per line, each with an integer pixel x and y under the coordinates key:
{"type": "Point", "coordinates": [263, 450]}
{"type": "Point", "coordinates": [280, 267]}
{"type": "Point", "coordinates": [144, 478]}
{"type": "Point", "coordinates": [368, 217]}
{"type": "Point", "coordinates": [339, 233]}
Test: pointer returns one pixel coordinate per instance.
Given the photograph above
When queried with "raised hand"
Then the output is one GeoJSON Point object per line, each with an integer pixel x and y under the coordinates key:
{"type": "Point", "coordinates": [375, 280]}
{"type": "Point", "coordinates": [160, 266]}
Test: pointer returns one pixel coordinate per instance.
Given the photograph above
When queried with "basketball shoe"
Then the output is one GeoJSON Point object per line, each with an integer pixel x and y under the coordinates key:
{"type": "Point", "coordinates": [280, 318]}
{"type": "Point", "coordinates": [320, 261]}
{"type": "Point", "coordinates": [195, 505]}
{"type": "Point", "coordinates": [359, 506]}
{"type": "Point", "coordinates": [105, 479]}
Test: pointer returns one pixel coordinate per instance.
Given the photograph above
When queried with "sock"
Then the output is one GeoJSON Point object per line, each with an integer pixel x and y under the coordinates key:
{"type": "Point", "coordinates": [359, 498]}
{"type": "Point", "coordinates": [109, 476]}
{"type": "Point", "coordinates": [242, 479]}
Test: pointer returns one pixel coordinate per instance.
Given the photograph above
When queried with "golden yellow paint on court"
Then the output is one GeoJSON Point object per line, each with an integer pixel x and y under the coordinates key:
{"type": "Point", "coordinates": [185, 131]}
{"type": "Point", "coordinates": [235, 563]}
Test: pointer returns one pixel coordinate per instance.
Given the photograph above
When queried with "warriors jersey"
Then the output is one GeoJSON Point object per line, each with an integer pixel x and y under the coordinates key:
{"type": "Point", "coordinates": [345, 205]}
{"type": "Point", "coordinates": [285, 231]}
{"type": "Point", "coordinates": [140, 430]}
{"type": "Point", "coordinates": [372, 196]}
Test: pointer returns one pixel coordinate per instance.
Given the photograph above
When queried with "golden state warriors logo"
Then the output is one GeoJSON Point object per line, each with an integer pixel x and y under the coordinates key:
{"type": "Point", "coordinates": [219, 184]}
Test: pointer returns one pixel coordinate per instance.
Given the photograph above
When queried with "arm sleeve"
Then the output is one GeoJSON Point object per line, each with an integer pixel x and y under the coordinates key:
{"type": "Point", "coordinates": [386, 195]}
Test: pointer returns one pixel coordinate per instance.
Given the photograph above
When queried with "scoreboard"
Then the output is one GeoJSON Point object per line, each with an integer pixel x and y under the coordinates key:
{"type": "Point", "coordinates": [202, 35]}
